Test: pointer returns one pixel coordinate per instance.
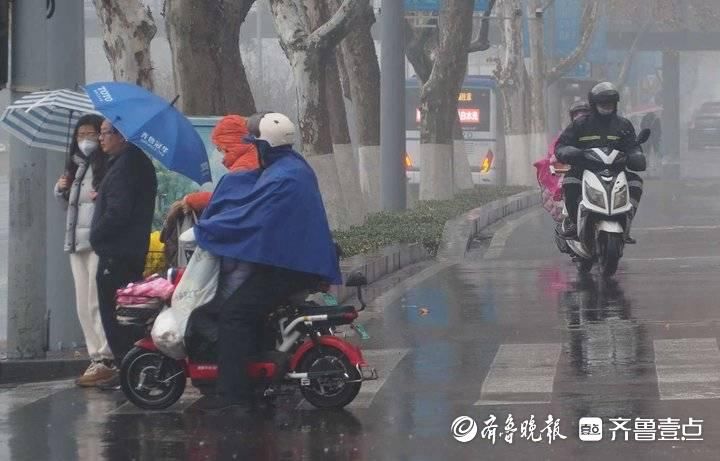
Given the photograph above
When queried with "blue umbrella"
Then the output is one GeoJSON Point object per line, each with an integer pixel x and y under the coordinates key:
{"type": "Point", "coordinates": [154, 125]}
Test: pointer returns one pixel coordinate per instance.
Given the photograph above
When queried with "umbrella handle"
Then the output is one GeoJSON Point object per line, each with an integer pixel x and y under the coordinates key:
{"type": "Point", "coordinates": [69, 137]}
{"type": "Point", "coordinates": [175, 100]}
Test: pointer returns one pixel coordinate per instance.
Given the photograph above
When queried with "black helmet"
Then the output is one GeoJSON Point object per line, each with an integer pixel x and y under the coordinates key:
{"type": "Point", "coordinates": [604, 92]}
{"type": "Point", "coordinates": [578, 106]}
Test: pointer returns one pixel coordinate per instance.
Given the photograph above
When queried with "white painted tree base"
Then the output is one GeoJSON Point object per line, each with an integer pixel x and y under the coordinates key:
{"type": "Point", "coordinates": [350, 184]}
{"type": "Point", "coordinates": [436, 181]}
{"type": "Point", "coordinates": [370, 174]}
{"type": "Point", "coordinates": [329, 182]}
{"type": "Point", "coordinates": [463, 174]}
{"type": "Point", "coordinates": [520, 171]}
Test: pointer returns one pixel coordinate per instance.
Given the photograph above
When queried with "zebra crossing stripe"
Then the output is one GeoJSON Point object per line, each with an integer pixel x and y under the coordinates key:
{"type": "Point", "coordinates": [687, 369]}
{"type": "Point", "coordinates": [521, 374]}
{"type": "Point", "coordinates": [384, 361]}
{"type": "Point", "coordinates": [27, 394]}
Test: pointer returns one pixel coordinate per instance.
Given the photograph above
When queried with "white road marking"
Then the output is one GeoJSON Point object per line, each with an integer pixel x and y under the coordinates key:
{"type": "Point", "coordinates": [521, 374]}
{"type": "Point", "coordinates": [688, 369]}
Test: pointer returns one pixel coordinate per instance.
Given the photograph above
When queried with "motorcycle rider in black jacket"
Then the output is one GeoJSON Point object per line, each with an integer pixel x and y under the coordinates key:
{"type": "Point", "coordinates": [603, 127]}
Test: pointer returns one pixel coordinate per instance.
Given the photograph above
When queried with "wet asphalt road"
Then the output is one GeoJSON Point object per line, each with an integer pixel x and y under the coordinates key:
{"type": "Point", "coordinates": [513, 331]}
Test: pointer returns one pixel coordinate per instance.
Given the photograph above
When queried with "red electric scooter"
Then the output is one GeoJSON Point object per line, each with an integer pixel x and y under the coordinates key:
{"type": "Point", "coordinates": [328, 370]}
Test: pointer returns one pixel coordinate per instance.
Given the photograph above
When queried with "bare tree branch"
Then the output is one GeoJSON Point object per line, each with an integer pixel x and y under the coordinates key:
{"type": "Point", "coordinates": [482, 41]}
{"type": "Point", "coordinates": [625, 69]}
{"type": "Point", "coordinates": [333, 31]}
{"type": "Point", "coordinates": [587, 25]}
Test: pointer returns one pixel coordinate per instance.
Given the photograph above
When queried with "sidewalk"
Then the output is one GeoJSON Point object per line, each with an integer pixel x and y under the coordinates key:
{"type": "Point", "coordinates": [57, 365]}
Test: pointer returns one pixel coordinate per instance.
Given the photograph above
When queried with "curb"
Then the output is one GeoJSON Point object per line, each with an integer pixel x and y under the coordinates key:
{"type": "Point", "coordinates": [453, 245]}
{"type": "Point", "coordinates": [27, 371]}
{"type": "Point", "coordinates": [459, 232]}
{"type": "Point", "coordinates": [379, 264]}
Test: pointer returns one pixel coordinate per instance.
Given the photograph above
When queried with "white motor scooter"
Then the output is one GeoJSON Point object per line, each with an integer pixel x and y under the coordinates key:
{"type": "Point", "coordinates": [604, 213]}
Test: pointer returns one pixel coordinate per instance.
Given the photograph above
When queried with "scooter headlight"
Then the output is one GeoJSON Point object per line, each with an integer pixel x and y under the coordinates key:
{"type": "Point", "coordinates": [621, 197]}
{"type": "Point", "coordinates": [595, 196]}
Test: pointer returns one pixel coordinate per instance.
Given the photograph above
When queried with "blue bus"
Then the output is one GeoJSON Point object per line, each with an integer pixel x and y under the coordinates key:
{"type": "Point", "coordinates": [478, 110]}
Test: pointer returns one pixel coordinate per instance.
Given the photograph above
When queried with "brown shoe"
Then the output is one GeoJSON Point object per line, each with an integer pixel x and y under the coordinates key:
{"type": "Point", "coordinates": [96, 373]}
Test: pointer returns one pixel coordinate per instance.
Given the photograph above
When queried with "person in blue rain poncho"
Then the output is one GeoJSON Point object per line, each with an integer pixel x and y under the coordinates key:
{"type": "Point", "coordinates": [271, 225]}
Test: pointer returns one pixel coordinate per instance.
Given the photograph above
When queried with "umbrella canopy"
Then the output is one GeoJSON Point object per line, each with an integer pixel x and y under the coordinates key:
{"type": "Point", "coordinates": [45, 119]}
{"type": "Point", "coordinates": [154, 125]}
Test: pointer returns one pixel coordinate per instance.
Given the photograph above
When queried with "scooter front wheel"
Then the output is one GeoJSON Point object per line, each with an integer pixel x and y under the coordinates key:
{"type": "Point", "coordinates": [336, 390]}
{"type": "Point", "coordinates": [151, 380]}
{"type": "Point", "coordinates": [584, 266]}
{"type": "Point", "coordinates": [610, 253]}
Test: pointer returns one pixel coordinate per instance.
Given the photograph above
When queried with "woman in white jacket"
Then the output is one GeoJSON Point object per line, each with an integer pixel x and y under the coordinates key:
{"type": "Point", "coordinates": [76, 189]}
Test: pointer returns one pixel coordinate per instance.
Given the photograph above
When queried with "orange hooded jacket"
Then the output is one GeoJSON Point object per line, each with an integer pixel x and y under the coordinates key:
{"type": "Point", "coordinates": [238, 155]}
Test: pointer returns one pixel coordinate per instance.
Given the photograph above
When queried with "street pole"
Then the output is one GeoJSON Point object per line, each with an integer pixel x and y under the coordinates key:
{"type": "Point", "coordinates": [671, 118]}
{"type": "Point", "coordinates": [259, 35]}
{"type": "Point", "coordinates": [392, 105]}
{"type": "Point", "coordinates": [26, 326]}
{"type": "Point", "coordinates": [65, 69]}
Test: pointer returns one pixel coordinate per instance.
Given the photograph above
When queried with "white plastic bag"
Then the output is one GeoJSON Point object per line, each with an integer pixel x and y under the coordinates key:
{"type": "Point", "coordinates": [196, 288]}
{"type": "Point", "coordinates": [168, 331]}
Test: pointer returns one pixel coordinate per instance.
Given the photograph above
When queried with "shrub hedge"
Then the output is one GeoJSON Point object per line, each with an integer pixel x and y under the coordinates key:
{"type": "Point", "coordinates": [423, 224]}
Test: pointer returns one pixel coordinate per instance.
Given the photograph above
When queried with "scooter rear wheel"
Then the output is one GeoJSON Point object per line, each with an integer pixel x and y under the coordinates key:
{"type": "Point", "coordinates": [141, 381]}
{"type": "Point", "coordinates": [330, 392]}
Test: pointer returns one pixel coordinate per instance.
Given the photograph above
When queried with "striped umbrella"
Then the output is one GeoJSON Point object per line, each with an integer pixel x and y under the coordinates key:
{"type": "Point", "coordinates": [45, 119]}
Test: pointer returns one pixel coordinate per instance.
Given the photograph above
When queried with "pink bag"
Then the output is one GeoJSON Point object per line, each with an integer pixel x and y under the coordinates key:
{"type": "Point", "coordinates": [152, 287]}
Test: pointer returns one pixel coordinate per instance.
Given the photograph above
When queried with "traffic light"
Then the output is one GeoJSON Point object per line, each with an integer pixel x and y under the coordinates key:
{"type": "Point", "coordinates": [4, 42]}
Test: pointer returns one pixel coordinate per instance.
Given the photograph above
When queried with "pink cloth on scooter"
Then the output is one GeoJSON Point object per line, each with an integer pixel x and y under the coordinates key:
{"type": "Point", "coordinates": [152, 287]}
{"type": "Point", "coordinates": [550, 185]}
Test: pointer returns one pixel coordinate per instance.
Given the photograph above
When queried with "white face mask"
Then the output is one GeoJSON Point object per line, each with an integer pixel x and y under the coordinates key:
{"type": "Point", "coordinates": [87, 146]}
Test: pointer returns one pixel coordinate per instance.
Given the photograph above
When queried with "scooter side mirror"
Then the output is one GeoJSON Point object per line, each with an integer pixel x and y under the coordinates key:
{"type": "Point", "coordinates": [643, 136]}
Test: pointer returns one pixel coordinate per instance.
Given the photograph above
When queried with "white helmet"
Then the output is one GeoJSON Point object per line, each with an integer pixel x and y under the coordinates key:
{"type": "Point", "coordinates": [274, 128]}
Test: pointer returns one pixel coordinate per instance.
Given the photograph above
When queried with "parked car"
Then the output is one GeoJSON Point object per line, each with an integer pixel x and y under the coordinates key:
{"type": "Point", "coordinates": [704, 128]}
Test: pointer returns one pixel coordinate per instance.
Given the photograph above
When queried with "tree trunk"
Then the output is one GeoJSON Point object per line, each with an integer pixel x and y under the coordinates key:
{"type": "Point", "coordinates": [128, 29]}
{"type": "Point", "coordinates": [420, 49]}
{"type": "Point", "coordinates": [538, 86]}
{"type": "Point", "coordinates": [207, 66]}
{"type": "Point", "coordinates": [438, 100]}
{"type": "Point", "coordinates": [513, 83]}
{"type": "Point", "coordinates": [315, 133]}
{"type": "Point", "coordinates": [358, 54]}
{"type": "Point", "coordinates": [347, 166]}
{"type": "Point", "coordinates": [305, 47]}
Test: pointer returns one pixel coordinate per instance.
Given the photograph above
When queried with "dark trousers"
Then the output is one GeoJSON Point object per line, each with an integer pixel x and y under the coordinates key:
{"type": "Point", "coordinates": [114, 273]}
{"type": "Point", "coordinates": [572, 191]}
{"type": "Point", "coordinates": [242, 318]}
